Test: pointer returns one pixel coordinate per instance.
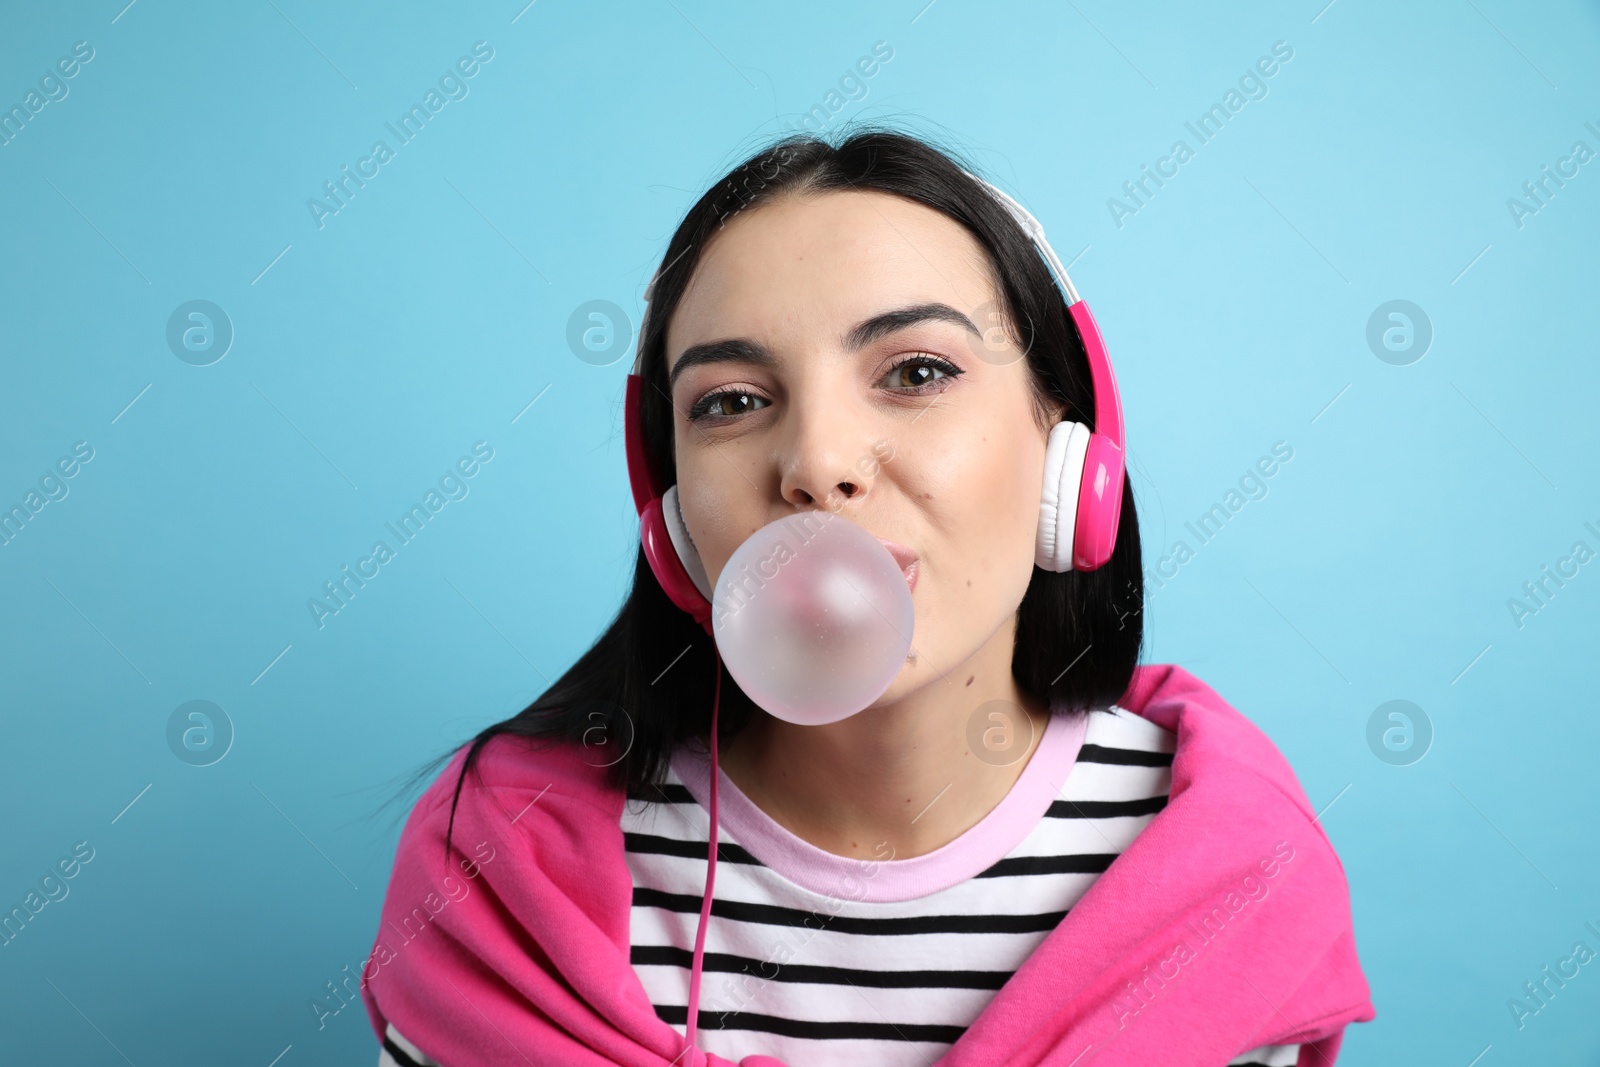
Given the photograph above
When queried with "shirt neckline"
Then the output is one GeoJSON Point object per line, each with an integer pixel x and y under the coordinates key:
{"type": "Point", "coordinates": [884, 881]}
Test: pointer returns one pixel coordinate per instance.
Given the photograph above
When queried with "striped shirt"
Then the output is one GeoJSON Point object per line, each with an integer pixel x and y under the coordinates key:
{"type": "Point", "coordinates": [818, 959]}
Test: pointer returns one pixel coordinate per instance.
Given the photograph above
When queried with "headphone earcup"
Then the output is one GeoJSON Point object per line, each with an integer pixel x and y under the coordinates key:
{"type": "Point", "coordinates": [655, 539]}
{"type": "Point", "coordinates": [1099, 504]}
{"type": "Point", "coordinates": [1058, 505]}
{"type": "Point", "coordinates": [688, 555]}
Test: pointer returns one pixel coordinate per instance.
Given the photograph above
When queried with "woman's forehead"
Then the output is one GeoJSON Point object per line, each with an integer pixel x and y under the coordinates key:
{"type": "Point", "coordinates": [803, 264]}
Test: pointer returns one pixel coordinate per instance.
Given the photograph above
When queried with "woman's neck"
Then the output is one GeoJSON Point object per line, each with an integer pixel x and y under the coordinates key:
{"type": "Point", "coordinates": [905, 773]}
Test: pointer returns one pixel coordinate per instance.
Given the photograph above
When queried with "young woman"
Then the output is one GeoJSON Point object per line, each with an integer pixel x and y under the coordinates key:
{"type": "Point", "coordinates": [1028, 850]}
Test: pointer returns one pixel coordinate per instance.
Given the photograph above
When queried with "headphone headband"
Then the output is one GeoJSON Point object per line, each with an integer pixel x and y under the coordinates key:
{"type": "Point", "coordinates": [1035, 229]}
{"type": "Point", "coordinates": [1107, 401]}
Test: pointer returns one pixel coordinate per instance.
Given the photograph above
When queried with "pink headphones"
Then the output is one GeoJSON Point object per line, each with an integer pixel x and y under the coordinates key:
{"type": "Point", "coordinates": [1083, 473]}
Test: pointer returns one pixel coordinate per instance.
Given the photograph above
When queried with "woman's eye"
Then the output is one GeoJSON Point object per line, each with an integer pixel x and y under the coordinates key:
{"type": "Point", "coordinates": [917, 372]}
{"type": "Point", "coordinates": [726, 404]}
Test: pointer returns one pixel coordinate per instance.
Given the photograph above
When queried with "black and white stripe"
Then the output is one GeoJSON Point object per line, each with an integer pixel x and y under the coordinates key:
{"type": "Point", "coordinates": [398, 1052]}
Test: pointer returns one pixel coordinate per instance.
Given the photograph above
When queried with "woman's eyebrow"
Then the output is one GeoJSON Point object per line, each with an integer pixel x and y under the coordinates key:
{"type": "Point", "coordinates": [863, 333]}
{"type": "Point", "coordinates": [869, 330]}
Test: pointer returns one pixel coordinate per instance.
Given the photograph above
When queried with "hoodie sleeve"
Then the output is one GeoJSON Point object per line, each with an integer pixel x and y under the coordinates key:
{"type": "Point", "coordinates": [518, 939]}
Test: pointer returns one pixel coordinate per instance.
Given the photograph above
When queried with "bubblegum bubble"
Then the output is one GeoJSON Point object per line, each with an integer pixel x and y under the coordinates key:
{"type": "Point", "coordinates": [813, 617]}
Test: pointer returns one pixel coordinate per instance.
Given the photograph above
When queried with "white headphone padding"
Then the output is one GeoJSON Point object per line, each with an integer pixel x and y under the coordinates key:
{"type": "Point", "coordinates": [684, 544]}
{"type": "Point", "coordinates": [1058, 507]}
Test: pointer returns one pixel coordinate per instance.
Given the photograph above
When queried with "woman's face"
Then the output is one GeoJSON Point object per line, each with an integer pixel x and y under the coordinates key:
{"type": "Point", "coordinates": [813, 381]}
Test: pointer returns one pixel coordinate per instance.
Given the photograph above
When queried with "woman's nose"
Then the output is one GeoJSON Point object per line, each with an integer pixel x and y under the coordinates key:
{"type": "Point", "coordinates": [827, 463]}
{"type": "Point", "coordinates": [833, 499]}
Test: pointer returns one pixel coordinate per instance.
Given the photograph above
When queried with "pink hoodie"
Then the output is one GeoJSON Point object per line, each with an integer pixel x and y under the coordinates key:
{"type": "Point", "coordinates": [1224, 926]}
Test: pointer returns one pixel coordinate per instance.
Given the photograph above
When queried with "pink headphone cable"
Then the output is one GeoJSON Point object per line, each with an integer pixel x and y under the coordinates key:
{"type": "Point", "coordinates": [711, 869]}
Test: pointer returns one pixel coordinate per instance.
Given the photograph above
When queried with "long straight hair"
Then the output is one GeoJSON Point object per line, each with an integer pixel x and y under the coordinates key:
{"type": "Point", "coordinates": [647, 683]}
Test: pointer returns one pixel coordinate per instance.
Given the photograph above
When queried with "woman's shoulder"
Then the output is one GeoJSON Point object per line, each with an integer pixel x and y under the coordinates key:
{"type": "Point", "coordinates": [1209, 729]}
{"type": "Point", "coordinates": [1223, 757]}
{"type": "Point", "coordinates": [525, 804]}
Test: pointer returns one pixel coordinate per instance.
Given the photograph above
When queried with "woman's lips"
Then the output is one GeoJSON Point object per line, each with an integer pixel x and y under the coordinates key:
{"type": "Point", "coordinates": [908, 560]}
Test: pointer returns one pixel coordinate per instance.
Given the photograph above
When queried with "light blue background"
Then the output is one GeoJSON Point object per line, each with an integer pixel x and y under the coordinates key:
{"type": "Point", "coordinates": [371, 353]}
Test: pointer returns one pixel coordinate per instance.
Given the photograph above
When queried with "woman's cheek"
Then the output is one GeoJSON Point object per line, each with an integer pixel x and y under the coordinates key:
{"type": "Point", "coordinates": [705, 514]}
